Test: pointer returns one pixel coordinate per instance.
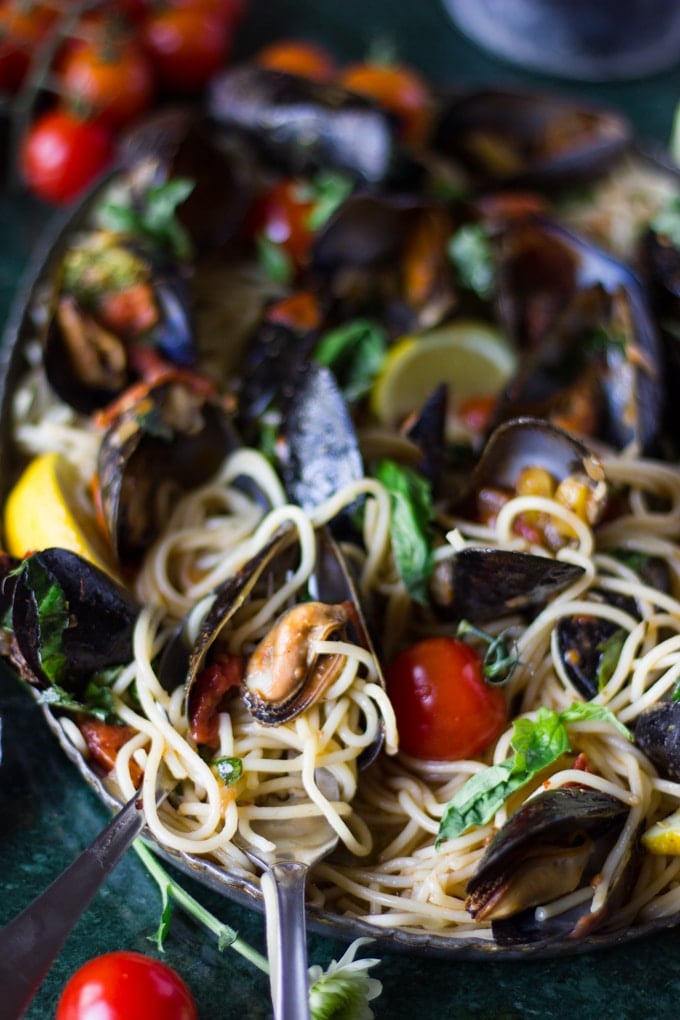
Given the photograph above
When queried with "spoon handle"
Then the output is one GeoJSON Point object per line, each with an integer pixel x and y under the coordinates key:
{"type": "Point", "coordinates": [32, 940]}
{"type": "Point", "coordinates": [283, 888]}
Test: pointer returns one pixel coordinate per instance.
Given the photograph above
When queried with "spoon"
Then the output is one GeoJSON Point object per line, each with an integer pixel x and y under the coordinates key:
{"type": "Point", "coordinates": [30, 943]}
{"type": "Point", "coordinates": [299, 844]}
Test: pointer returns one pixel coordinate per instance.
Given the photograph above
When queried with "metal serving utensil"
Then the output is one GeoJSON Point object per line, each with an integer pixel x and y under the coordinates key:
{"type": "Point", "coordinates": [299, 844]}
{"type": "Point", "coordinates": [30, 943]}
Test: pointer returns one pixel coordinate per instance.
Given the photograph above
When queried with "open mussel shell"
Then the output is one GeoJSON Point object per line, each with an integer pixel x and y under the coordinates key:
{"type": "Point", "coordinates": [514, 138]}
{"type": "Point", "coordinates": [525, 443]}
{"type": "Point", "coordinates": [484, 584]}
{"type": "Point", "coordinates": [167, 440]}
{"type": "Point", "coordinates": [302, 126]}
{"type": "Point", "coordinates": [95, 627]}
{"type": "Point", "coordinates": [552, 845]}
{"type": "Point", "coordinates": [657, 733]}
{"type": "Point", "coordinates": [389, 249]}
{"type": "Point", "coordinates": [582, 642]}
{"type": "Point", "coordinates": [596, 361]}
{"type": "Point", "coordinates": [178, 142]}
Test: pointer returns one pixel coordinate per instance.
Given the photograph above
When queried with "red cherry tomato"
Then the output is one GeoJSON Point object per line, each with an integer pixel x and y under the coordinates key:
{"type": "Point", "coordinates": [296, 56]}
{"type": "Point", "coordinates": [399, 89]}
{"type": "Point", "coordinates": [111, 76]}
{"type": "Point", "coordinates": [186, 45]}
{"type": "Point", "coordinates": [282, 216]}
{"type": "Point", "coordinates": [61, 155]}
{"type": "Point", "coordinates": [444, 707]}
{"type": "Point", "coordinates": [121, 985]}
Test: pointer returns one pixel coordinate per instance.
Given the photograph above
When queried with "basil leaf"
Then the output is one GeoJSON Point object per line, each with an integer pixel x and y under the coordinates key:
{"type": "Point", "coordinates": [470, 251]}
{"type": "Point", "coordinates": [355, 352]}
{"type": "Point", "coordinates": [156, 221]}
{"type": "Point", "coordinates": [410, 525]}
{"type": "Point", "coordinates": [610, 654]}
{"type": "Point", "coordinates": [537, 743]}
{"type": "Point", "coordinates": [53, 619]}
{"type": "Point", "coordinates": [274, 260]}
{"type": "Point", "coordinates": [328, 191]}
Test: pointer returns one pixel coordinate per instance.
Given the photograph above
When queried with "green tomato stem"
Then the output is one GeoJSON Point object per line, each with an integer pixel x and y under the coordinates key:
{"type": "Point", "coordinates": [226, 936]}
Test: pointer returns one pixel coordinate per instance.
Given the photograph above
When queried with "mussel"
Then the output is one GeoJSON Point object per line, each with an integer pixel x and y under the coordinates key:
{"type": "Point", "coordinates": [657, 733]}
{"type": "Point", "coordinates": [388, 251]}
{"type": "Point", "coordinates": [555, 844]}
{"type": "Point", "coordinates": [523, 139]}
{"type": "Point", "coordinates": [110, 301]}
{"type": "Point", "coordinates": [165, 439]}
{"type": "Point", "coordinates": [593, 358]}
{"type": "Point", "coordinates": [68, 621]}
{"type": "Point", "coordinates": [484, 584]}
{"type": "Point", "coordinates": [301, 126]}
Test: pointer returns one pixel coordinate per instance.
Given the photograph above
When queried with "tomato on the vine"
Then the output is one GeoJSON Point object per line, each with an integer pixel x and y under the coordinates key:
{"type": "Point", "coordinates": [109, 76]}
{"type": "Point", "coordinates": [121, 985]}
{"type": "Point", "coordinates": [397, 88]}
{"type": "Point", "coordinates": [444, 707]}
{"type": "Point", "coordinates": [23, 27]}
{"type": "Point", "coordinates": [186, 45]}
{"type": "Point", "coordinates": [297, 56]}
{"type": "Point", "coordinates": [61, 155]}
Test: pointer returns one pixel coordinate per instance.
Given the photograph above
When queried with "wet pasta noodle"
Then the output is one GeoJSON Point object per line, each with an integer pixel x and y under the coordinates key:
{"type": "Point", "coordinates": [281, 550]}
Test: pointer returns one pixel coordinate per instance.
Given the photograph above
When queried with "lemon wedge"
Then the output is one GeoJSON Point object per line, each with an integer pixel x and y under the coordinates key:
{"type": "Point", "coordinates": [664, 837]}
{"type": "Point", "coordinates": [471, 356]}
{"type": "Point", "coordinates": [43, 510]}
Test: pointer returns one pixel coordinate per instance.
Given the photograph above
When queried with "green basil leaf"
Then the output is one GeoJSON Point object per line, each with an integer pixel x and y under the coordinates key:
{"type": "Point", "coordinates": [53, 618]}
{"type": "Point", "coordinates": [470, 251]}
{"type": "Point", "coordinates": [610, 654]}
{"type": "Point", "coordinates": [410, 525]}
{"type": "Point", "coordinates": [328, 191]}
{"type": "Point", "coordinates": [537, 743]}
{"type": "Point", "coordinates": [355, 352]}
{"type": "Point", "coordinates": [274, 260]}
{"type": "Point", "coordinates": [156, 221]}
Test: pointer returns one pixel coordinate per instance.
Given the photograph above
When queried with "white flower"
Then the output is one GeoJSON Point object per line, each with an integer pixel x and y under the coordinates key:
{"type": "Point", "coordinates": [344, 990]}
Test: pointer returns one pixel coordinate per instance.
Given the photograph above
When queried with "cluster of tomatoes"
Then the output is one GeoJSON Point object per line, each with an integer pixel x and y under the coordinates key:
{"type": "Point", "coordinates": [95, 67]}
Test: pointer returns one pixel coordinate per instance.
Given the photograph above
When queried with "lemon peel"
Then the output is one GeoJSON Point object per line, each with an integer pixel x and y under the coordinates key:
{"type": "Point", "coordinates": [42, 511]}
{"type": "Point", "coordinates": [664, 836]}
{"type": "Point", "coordinates": [471, 356]}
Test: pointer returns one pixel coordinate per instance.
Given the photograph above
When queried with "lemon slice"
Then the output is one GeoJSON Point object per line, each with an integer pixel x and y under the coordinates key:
{"type": "Point", "coordinates": [472, 357]}
{"type": "Point", "coordinates": [42, 511]}
{"type": "Point", "coordinates": [664, 837]}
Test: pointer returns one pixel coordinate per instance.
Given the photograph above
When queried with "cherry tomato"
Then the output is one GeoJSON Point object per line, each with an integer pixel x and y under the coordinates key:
{"type": "Point", "coordinates": [61, 155]}
{"type": "Point", "coordinates": [282, 216]}
{"type": "Point", "coordinates": [110, 75]}
{"type": "Point", "coordinates": [399, 89]}
{"type": "Point", "coordinates": [296, 56]}
{"type": "Point", "coordinates": [121, 985]}
{"type": "Point", "coordinates": [23, 27]}
{"type": "Point", "coordinates": [186, 45]}
{"type": "Point", "coordinates": [444, 707]}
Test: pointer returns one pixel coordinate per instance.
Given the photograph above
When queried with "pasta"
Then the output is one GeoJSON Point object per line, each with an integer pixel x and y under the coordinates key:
{"type": "Point", "coordinates": [257, 702]}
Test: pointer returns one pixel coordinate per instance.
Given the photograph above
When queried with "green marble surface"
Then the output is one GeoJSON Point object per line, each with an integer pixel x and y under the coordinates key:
{"type": "Point", "coordinates": [47, 814]}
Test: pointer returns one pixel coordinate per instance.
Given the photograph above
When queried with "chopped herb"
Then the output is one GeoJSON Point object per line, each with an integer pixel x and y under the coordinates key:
{"type": "Point", "coordinates": [410, 525]}
{"type": "Point", "coordinates": [274, 260]}
{"type": "Point", "coordinates": [53, 618]}
{"type": "Point", "coordinates": [610, 654]}
{"type": "Point", "coordinates": [537, 744]}
{"type": "Point", "coordinates": [156, 221]}
{"type": "Point", "coordinates": [327, 191]}
{"type": "Point", "coordinates": [500, 658]}
{"type": "Point", "coordinates": [229, 770]}
{"type": "Point", "coordinates": [470, 251]}
{"type": "Point", "coordinates": [355, 352]}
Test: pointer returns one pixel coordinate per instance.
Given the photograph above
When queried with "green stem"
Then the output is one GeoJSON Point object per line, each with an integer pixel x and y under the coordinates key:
{"type": "Point", "coordinates": [226, 936]}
